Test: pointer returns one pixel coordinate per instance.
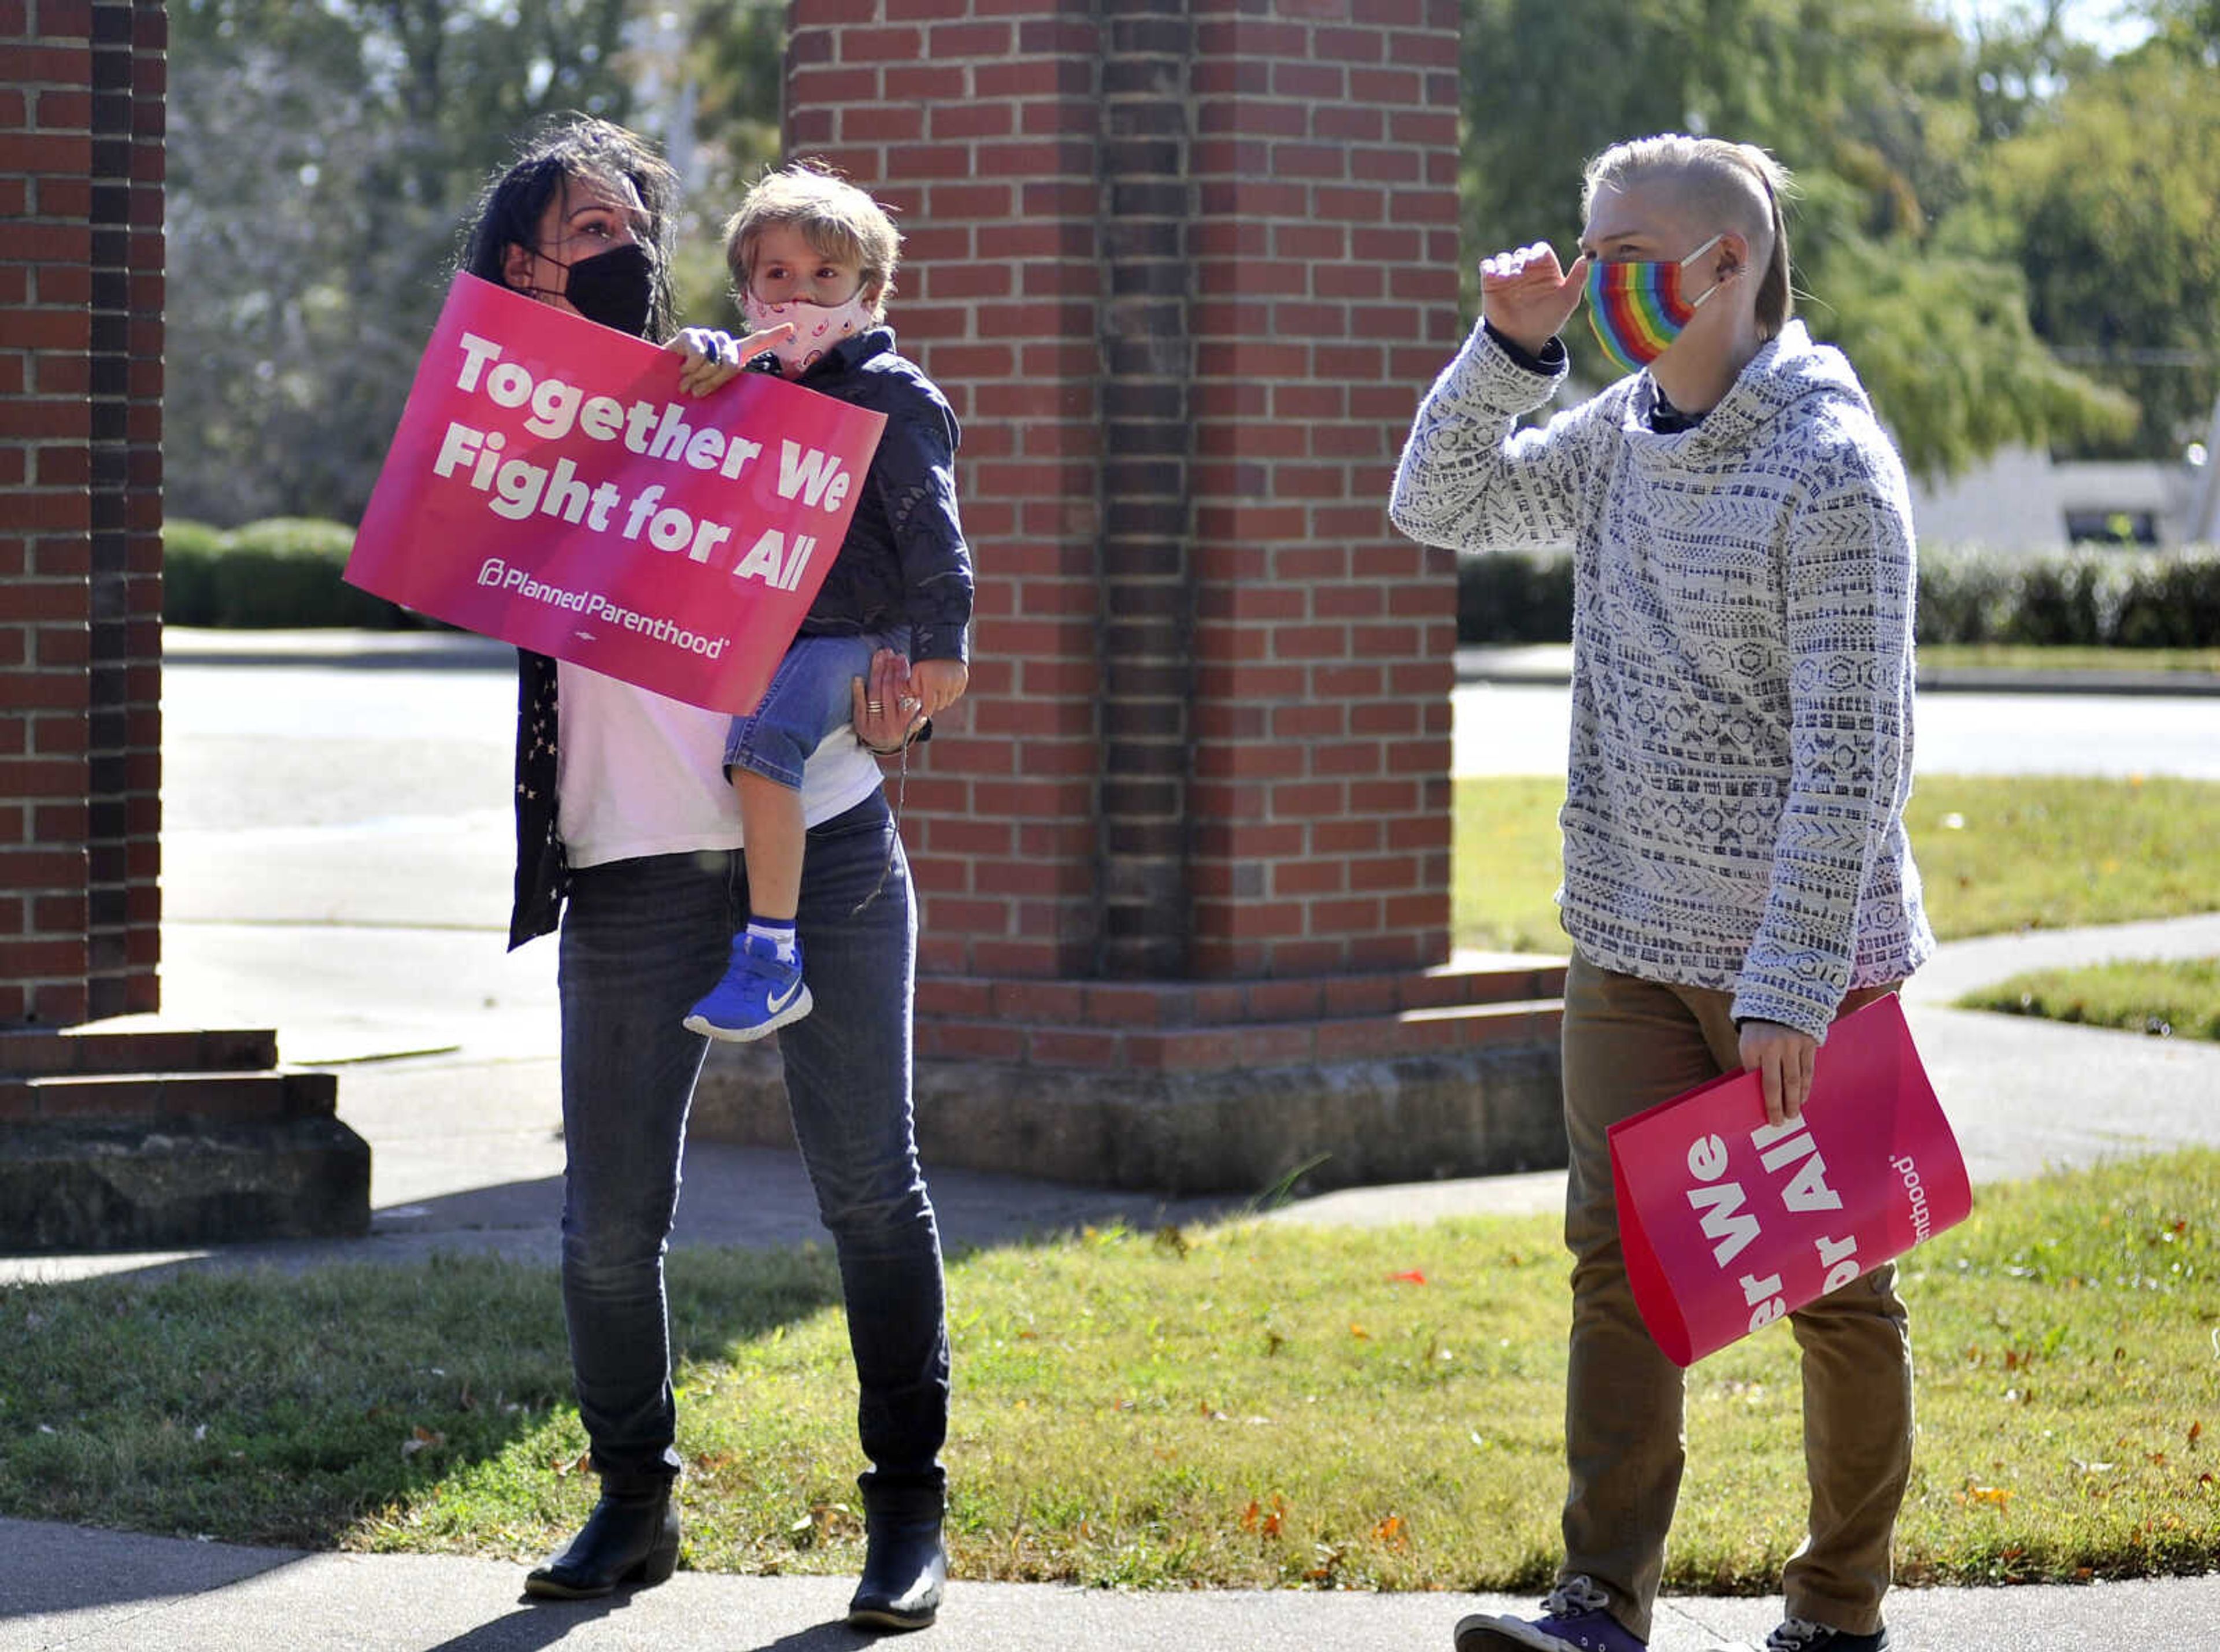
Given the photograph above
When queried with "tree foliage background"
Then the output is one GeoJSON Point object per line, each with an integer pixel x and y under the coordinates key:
{"type": "Point", "coordinates": [324, 158]}
{"type": "Point", "coordinates": [2016, 238]}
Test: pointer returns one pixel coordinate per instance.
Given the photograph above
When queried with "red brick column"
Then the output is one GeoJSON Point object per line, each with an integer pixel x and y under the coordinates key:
{"type": "Point", "coordinates": [977, 122]}
{"type": "Point", "coordinates": [133, 1137]}
{"type": "Point", "coordinates": [80, 546]}
{"type": "Point", "coordinates": [1325, 256]}
{"type": "Point", "coordinates": [1184, 266]}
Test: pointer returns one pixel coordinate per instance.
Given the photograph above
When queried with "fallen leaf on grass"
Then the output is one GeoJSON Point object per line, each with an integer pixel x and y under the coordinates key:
{"type": "Point", "coordinates": [1329, 1562]}
{"type": "Point", "coordinates": [1265, 1523]}
{"type": "Point", "coordinates": [1391, 1533]}
{"type": "Point", "coordinates": [824, 1521]}
{"type": "Point", "coordinates": [420, 1439]}
{"type": "Point", "coordinates": [1995, 1497]}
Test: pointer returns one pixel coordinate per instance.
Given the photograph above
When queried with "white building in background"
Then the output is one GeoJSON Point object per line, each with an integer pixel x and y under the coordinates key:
{"type": "Point", "coordinates": [2020, 498]}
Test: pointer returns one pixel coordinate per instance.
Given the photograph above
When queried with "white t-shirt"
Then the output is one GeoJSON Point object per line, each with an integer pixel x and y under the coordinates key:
{"type": "Point", "coordinates": [638, 774]}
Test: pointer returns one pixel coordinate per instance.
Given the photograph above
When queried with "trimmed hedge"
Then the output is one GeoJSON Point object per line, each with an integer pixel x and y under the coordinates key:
{"type": "Point", "coordinates": [280, 573]}
{"type": "Point", "coordinates": [2096, 598]}
{"type": "Point", "coordinates": [285, 572]}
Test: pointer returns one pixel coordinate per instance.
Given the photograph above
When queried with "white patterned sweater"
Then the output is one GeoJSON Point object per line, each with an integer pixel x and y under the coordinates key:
{"type": "Point", "coordinates": [1741, 746]}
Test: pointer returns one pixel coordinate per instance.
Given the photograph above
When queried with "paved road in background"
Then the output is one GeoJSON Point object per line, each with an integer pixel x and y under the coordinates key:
{"type": "Point", "coordinates": [341, 783]}
{"type": "Point", "coordinates": [1518, 728]}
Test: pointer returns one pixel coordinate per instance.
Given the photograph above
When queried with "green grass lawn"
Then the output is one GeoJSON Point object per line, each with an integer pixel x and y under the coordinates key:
{"type": "Point", "coordinates": [1996, 854]}
{"type": "Point", "coordinates": [2024, 656]}
{"type": "Point", "coordinates": [1252, 1404]}
{"type": "Point", "coordinates": [2168, 998]}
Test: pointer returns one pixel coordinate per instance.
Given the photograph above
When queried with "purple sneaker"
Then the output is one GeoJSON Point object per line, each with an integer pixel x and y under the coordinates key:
{"type": "Point", "coordinates": [1572, 1620]}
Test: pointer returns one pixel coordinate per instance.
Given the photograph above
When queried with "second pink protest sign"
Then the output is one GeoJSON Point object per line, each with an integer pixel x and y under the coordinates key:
{"type": "Point", "coordinates": [1728, 1222]}
{"type": "Point", "coordinates": [550, 485]}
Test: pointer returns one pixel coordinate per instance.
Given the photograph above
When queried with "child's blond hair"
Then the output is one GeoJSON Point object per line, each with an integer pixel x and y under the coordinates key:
{"type": "Point", "coordinates": [1738, 184]}
{"type": "Point", "coordinates": [835, 217]}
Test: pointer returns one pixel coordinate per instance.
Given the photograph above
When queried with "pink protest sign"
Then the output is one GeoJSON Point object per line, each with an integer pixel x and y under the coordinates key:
{"type": "Point", "coordinates": [552, 486]}
{"type": "Point", "coordinates": [1728, 1224]}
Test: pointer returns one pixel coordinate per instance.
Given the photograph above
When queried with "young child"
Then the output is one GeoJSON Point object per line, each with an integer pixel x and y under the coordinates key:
{"type": "Point", "coordinates": [811, 251]}
{"type": "Point", "coordinates": [1736, 873]}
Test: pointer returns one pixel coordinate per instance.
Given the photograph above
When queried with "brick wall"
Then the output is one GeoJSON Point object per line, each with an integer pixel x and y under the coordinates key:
{"type": "Point", "coordinates": [81, 157]}
{"type": "Point", "coordinates": [1182, 267]}
{"type": "Point", "coordinates": [978, 125]}
{"type": "Point", "coordinates": [1326, 261]}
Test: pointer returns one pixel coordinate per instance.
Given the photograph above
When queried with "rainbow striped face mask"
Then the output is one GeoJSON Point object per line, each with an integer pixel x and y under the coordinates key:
{"type": "Point", "coordinates": [1637, 308]}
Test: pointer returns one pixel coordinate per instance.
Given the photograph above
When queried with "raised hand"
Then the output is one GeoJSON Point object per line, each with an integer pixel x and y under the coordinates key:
{"type": "Point", "coordinates": [1526, 297]}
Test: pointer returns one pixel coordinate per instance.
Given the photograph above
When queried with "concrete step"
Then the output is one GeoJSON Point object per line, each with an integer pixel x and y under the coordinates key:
{"type": "Point", "coordinates": [1325, 1040]}
{"type": "Point", "coordinates": [91, 1050]}
{"type": "Point", "coordinates": [221, 1098]}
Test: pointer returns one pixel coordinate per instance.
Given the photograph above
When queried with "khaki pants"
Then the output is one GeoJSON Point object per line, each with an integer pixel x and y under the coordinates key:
{"type": "Point", "coordinates": [1628, 1045]}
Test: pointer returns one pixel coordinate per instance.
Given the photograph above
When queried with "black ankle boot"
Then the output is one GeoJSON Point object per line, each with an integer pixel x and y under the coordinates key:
{"type": "Point", "coordinates": [904, 1568]}
{"type": "Point", "coordinates": [632, 1536]}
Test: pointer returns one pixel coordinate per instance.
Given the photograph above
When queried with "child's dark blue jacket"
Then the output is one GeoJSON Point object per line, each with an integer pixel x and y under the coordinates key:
{"type": "Point", "coordinates": [904, 561]}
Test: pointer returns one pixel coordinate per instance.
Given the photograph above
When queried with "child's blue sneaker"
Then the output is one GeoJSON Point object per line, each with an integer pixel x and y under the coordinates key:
{"type": "Point", "coordinates": [1572, 1620]}
{"type": "Point", "coordinates": [760, 992]}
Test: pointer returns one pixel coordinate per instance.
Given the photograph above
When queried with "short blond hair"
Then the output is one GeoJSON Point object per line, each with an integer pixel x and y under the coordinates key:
{"type": "Point", "coordinates": [835, 217]}
{"type": "Point", "coordinates": [1737, 185]}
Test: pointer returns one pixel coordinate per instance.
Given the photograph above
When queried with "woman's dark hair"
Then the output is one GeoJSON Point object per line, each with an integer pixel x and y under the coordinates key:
{"type": "Point", "coordinates": [580, 146]}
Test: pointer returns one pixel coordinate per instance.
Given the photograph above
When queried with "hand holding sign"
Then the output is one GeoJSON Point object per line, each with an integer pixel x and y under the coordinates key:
{"type": "Point", "coordinates": [712, 359]}
{"type": "Point", "coordinates": [1731, 1220]}
{"type": "Point", "coordinates": [550, 484]}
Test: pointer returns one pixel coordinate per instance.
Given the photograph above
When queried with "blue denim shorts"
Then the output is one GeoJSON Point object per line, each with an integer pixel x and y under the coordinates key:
{"type": "Point", "coordinates": [808, 699]}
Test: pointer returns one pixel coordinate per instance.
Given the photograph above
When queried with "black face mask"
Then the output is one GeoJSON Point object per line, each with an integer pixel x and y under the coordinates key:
{"type": "Point", "coordinates": [615, 288]}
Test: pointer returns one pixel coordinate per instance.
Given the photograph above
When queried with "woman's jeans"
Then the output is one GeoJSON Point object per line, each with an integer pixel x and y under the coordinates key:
{"type": "Point", "coordinates": [642, 940]}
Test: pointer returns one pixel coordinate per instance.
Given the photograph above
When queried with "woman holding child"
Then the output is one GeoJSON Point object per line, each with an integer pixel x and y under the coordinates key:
{"type": "Point", "coordinates": [630, 838]}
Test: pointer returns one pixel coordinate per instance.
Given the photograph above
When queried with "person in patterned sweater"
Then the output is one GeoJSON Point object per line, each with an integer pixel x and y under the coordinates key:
{"type": "Point", "coordinates": [1736, 868]}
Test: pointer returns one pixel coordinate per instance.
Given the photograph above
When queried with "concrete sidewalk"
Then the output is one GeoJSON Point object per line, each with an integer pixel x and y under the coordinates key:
{"type": "Point", "coordinates": [101, 1592]}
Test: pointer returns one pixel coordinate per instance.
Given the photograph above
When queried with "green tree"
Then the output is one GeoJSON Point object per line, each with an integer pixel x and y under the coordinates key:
{"type": "Point", "coordinates": [2190, 27]}
{"type": "Point", "coordinates": [731, 78]}
{"type": "Point", "coordinates": [321, 160]}
{"type": "Point", "coordinates": [2108, 205]}
{"type": "Point", "coordinates": [1872, 104]}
